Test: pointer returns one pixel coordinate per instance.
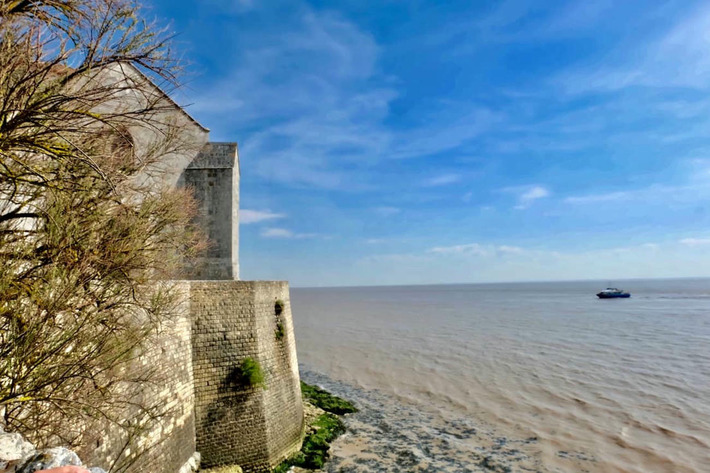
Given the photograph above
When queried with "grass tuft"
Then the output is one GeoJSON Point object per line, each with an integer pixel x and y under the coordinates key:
{"type": "Point", "coordinates": [279, 332]}
{"type": "Point", "coordinates": [252, 374]}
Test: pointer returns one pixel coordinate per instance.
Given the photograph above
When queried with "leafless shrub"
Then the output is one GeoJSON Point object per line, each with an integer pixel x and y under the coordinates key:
{"type": "Point", "coordinates": [88, 221]}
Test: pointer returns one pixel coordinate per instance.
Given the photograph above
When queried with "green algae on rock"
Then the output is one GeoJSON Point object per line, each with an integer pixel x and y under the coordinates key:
{"type": "Point", "coordinates": [326, 428]}
{"type": "Point", "coordinates": [323, 426]}
{"type": "Point", "coordinates": [326, 401]}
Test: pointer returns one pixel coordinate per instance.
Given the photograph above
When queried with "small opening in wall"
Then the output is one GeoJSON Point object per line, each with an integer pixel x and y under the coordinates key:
{"type": "Point", "coordinates": [279, 307]}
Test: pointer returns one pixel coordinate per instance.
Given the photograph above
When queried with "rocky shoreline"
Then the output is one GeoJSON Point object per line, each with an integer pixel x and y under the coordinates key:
{"type": "Point", "coordinates": [387, 435]}
{"type": "Point", "coordinates": [381, 435]}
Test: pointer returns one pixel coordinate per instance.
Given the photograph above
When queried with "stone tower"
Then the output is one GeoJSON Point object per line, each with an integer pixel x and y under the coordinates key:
{"type": "Point", "coordinates": [214, 178]}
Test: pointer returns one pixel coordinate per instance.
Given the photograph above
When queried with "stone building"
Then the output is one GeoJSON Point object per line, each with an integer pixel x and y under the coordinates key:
{"type": "Point", "coordinates": [224, 321]}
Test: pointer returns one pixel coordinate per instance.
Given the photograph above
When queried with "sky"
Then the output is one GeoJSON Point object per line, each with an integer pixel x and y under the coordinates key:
{"type": "Point", "coordinates": [415, 142]}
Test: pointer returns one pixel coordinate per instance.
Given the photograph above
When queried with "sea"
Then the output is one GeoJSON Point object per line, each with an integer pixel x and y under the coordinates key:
{"type": "Point", "coordinates": [520, 377]}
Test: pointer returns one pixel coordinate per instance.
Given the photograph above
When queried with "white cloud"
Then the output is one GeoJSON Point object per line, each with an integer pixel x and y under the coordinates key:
{"type": "Point", "coordinates": [490, 262]}
{"type": "Point", "coordinates": [513, 250]}
{"type": "Point", "coordinates": [534, 193]}
{"type": "Point", "coordinates": [477, 249]}
{"type": "Point", "coordinates": [442, 180]}
{"type": "Point", "coordinates": [286, 234]}
{"type": "Point", "coordinates": [387, 211]}
{"type": "Point", "coordinates": [594, 198]}
{"type": "Point", "coordinates": [470, 248]}
{"type": "Point", "coordinates": [527, 195]}
{"type": "Point", "coordinates": [247, 216]}
{"type": "Point", "coordinates": [695, 241]}
{"type": "Point", "coordinates": [680, 57]}
{"type": "Point", "coordinates": [313, 102]}
{"type": "Point", "coordinates": [695, 189]}
{"type": "Point", "coordinates": [305, 89]}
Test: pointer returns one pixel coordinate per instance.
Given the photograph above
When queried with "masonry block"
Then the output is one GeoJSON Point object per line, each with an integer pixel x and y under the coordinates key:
{"type": "Point", "coordinates": [253, 426]}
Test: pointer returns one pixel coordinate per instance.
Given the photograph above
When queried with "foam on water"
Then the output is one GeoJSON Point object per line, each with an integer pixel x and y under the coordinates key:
{"type": "Point", "coordinates": [613, 385]}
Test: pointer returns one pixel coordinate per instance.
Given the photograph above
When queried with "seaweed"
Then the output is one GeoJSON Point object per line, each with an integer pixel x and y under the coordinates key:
{"type": "Point", "coordinates": [326, 401]}
{"type": "Point", "coordinates": [326, 428]}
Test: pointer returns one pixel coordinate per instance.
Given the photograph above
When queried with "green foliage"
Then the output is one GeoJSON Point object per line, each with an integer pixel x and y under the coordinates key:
{"type": "Point", "coordinates": [316, 445]}
{"type": "Point", "coordinates": [279, 307]}
{"type": "Point", "coordinates": [279, 332]}
{"type": "Point", "coordinates": [252, 374]}
{"type": "Point", "coordinates": [326, 401]}
{"type": "Point", "coordinates": [322, 432]}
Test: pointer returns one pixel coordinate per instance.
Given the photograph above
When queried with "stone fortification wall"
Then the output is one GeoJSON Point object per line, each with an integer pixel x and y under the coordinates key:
{"type": "Point", "coordinates": [213, 177]}
{"type": "Point", "coordinates": [208, 406]}
{"type": "Point", "coordinates": [237, 423]}
{"type": "Point", "coordinates": [170, 444]}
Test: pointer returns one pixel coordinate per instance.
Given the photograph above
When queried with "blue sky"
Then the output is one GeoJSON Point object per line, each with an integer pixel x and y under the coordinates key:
{"type": "Point", "coordinates": [405, 142]}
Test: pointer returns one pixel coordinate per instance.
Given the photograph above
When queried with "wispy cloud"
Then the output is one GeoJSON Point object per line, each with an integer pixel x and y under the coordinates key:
{"type": "Point", "coordinates": [680, 57]}
{"type": "Point", "coordinates": [386, 211]}
{"type": "Point", "coordinates": [306, 94]}
{"type": "Point", "coordinates": [695, 241]}
{"type": "Point", "coordinates": [442, 180]}
{"type": "Point", "coordinates": [531, 195]}
{"type": "Point", "coordinates": [469, 248]}
{"type": "Point", "coordinates": [527, 195]}
{"type": "Point", "coordinates": [598, 198]}
{"type": "Point", "coordinates": [247, 216]}
{"type": "Point", "coordinates": [477, 249]}
{"type": "Point", "coordinates": [327, 120]}
{"type": "Point", "coordinates": [696, 189]}
{"type": "Point", "coordinates": [309, 98]}
{"type": "Point", "coordinates": [285, 233]}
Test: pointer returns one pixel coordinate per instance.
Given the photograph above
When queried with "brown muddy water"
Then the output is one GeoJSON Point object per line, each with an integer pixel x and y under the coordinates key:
{"type": "Point", "coordinates": [514, 377]}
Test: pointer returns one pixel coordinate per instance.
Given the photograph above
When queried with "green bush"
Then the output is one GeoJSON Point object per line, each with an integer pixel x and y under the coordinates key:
{"type": "Point", "coordinates": [252, 374]}
{"type": "Point", "coordinates": [279, 331]}
{"type": "Point", "coordinates": [279, 306]}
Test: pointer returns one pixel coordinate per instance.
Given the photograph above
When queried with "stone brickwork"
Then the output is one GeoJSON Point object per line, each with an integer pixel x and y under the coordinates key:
{"type": "Point", "coordinates": [213, 177]}
{"type": "Point", "coordinates": [210, 408]}
{"type": "Point", "coordinates": [170, 443]}
{"type": "Point", "coordinates": [253, 426]}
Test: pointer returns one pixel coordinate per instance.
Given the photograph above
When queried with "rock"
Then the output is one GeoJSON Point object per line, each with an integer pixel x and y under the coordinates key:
{"type": "Point", "coordinates": [13, 451]}
{"type": "Point", "coordinates": [19, 456]}
{"type": "Point", "coordinates": [50, 458]}
{"type": "Point", "coordinates": [311, 412]}
{"type": "Point", "coordinates": [192, 465]}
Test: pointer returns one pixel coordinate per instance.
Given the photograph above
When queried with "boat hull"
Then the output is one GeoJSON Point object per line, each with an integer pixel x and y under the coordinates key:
{"type": "Point", "coordinates": [625, 295]}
